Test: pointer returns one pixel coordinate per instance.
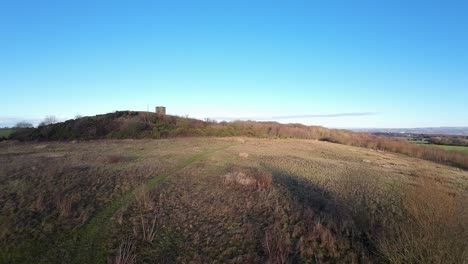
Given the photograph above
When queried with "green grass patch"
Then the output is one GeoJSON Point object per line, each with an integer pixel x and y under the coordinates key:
{"type": "Point", "coordinates": [445, 147]}
{"type": "Point", "coordinates": [451, 148]}
{"type": "Point", "coordinates": [418, 141]}
{"type": "Point", "coordinates": [6, 132]}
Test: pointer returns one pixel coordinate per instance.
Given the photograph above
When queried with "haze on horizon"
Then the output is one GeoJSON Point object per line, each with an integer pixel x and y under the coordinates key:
{"type": "Point", "coordinates": [330, 63]}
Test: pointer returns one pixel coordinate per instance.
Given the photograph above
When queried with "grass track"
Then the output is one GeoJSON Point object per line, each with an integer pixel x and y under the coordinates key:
{"type": "Point", "coordinates": [87, 244]}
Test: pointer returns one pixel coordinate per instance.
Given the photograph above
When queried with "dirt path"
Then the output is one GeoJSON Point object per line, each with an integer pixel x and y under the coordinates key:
{"type": "Point", "coordinates": [87, 244]}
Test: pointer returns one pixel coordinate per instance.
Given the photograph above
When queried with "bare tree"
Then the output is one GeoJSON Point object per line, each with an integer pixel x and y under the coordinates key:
{"type": "Point", "coordinates": [23, 124]}
{"type": "Point", "coordinates": [48, 120]}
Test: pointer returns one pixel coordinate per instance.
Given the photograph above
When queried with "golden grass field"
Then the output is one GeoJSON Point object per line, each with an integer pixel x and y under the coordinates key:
{"type": "Point", "coordinates": [227, 200]}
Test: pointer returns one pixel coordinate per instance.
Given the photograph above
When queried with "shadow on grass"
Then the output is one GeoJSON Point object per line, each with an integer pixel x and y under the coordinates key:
{"type": "Point", "coordinates": [318, 207]}
{"type": "Point", "coordinates": [307, 195]}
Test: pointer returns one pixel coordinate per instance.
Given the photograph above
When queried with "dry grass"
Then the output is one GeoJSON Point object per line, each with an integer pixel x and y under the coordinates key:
{"type": "Point", "coordinates": [148, 230]}
{"type": "Point", "coordinates": [145, 226]}
{"type": "Point", "coordinates": [290, 201]}
{"type": "Point", "coordinates": [117, 158]}
{"type": "Point", "coordinates": [64, 204]}
{"type": "Point", "coordinates": [276, 245]}
{"type": "Point", "coordinates": [126, 253]}
{"type": "Point", "coordinates": [143, 199]}
{"type": "Point", "coordinates": [433, 230]}
{"type": "Point", "coordinates": [49, 191]}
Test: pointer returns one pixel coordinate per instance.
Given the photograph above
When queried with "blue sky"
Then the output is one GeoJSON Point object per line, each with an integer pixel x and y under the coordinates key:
{"type": "Point", "coordinates": [331, 63]}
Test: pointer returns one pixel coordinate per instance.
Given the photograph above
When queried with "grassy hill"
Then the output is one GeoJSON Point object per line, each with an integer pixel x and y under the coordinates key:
{"type": "Point", "coordinates": [137, 125]}
{"type": "Point", "coordinates": [129, 124]}
{"type": "Point", "coordinates": [226, 200]}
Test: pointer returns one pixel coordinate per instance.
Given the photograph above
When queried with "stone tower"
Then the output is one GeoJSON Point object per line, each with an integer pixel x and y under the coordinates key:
{"type": "Point", "coordinates": [161, 110]}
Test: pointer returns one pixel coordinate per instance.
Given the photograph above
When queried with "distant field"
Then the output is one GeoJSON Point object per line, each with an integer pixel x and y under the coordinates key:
{"type": "Point", "coordinates": [417, 141]}
{"type": "Point", "coordinates": [5, 132]}
{"type": "Point", "coordinates": [451, 148]}
{"type": "Point", "coordinates": [446, 147]}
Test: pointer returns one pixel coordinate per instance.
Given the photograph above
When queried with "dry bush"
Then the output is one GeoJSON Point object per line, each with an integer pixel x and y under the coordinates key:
{"type": "Point", "coordinates": [126, 253]}
{"type": "Point", "coordinates": [239, 178]}
{"type": "Point", "coordinates": [264, 179]}
{"type": "Point", "coordinates": [325, 238]}
{"type": "Point", "coordinates": [249, 177]}
{"type": "Point", "coordinates": [276, 245]}
{"type": "Point", "coordinates": [38, 204]}
{"type": "Point", "coordinates": [243, 154]}
{"type": "Point", "coordinates": [64, 207]}
{"type": "Point", "coordinates": [117, 158]}
{"type": "Point", "coordinates": [131, 128]}
{"type": "Point", "coordinates": [143, 228]}
{"type": "Point", "coordinates": [147, 229]}
{"type": "Point", "coordinates": [118, 217]}
{"type": "Point", "coordinates": [433, 230]}
{"type": "Point", "coordinates": [64, 203]}
{"type": "Point", "coordinates": [144, 199]}
{"type": "Point", "coordinates": [315, 241]}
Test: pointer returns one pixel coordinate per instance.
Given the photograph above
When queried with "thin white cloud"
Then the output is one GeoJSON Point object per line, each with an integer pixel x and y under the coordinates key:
{"type": "Point", "coordinates": [294, 116]}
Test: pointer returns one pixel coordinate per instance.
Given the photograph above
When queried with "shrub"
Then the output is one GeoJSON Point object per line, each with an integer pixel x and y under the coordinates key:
{"type": "Point", "coordinates": [249, 177]}
{"type": "Point", "coordinates": [117, 158]}
{"type": "Point", "coordinates": [131, 128]}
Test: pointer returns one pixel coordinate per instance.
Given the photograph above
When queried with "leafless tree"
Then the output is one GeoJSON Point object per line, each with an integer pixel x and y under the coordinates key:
{"type": "Point", "coordinates": [48, 120]}
{"type": "Point", "coordinates": [23, 124]}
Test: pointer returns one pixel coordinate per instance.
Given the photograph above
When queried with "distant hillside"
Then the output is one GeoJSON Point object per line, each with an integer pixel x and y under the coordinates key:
{"type": "Point", "coordinates": [457, 131]}
{"type": "Point", "coordinates": [129, 124]}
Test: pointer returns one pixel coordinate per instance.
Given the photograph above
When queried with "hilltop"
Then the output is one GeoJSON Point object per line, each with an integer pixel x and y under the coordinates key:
{"type": "Point", "coordinates": [133, 124]}
{"type": "Point", "coordinates": [138, 125]}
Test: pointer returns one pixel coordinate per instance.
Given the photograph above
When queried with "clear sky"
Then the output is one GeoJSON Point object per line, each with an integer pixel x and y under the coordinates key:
{"type": "Point", "coordinates": [331, 63]}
